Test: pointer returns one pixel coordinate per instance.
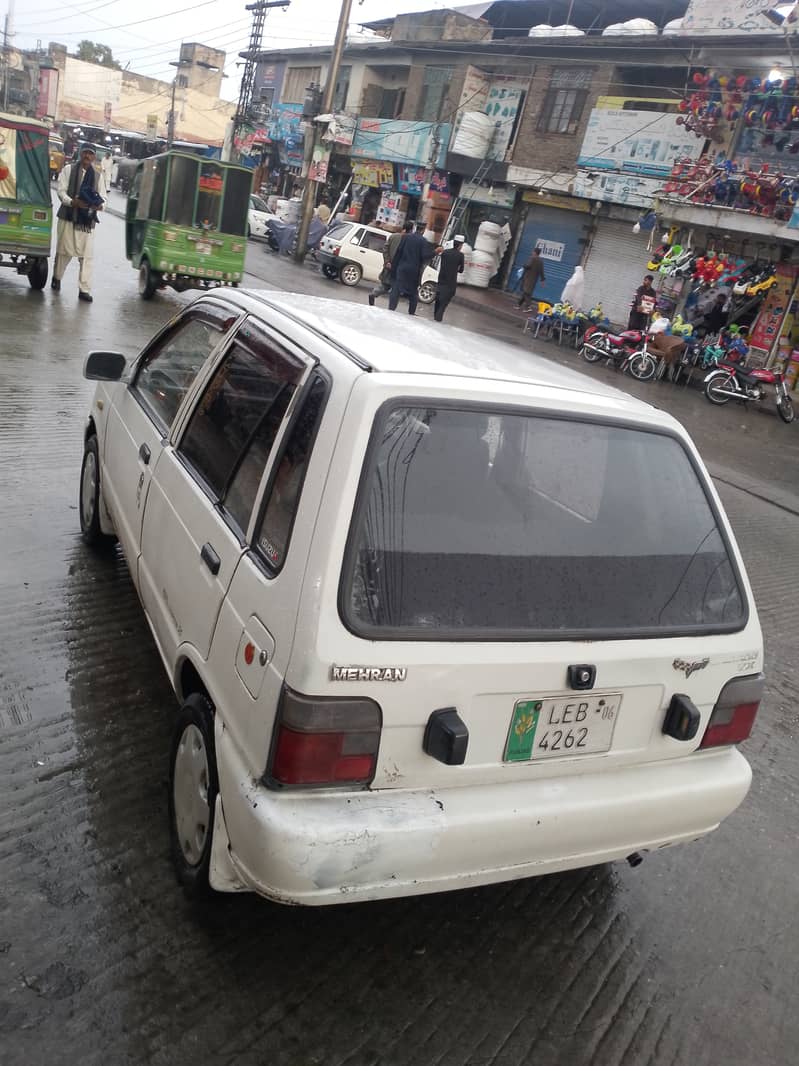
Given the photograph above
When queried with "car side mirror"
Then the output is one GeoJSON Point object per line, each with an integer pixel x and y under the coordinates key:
{"type": "Point", "coordinates": [104, 366]}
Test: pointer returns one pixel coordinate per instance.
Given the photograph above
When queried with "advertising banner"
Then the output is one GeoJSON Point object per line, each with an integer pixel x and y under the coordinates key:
{"type": "Point", "coordinates": [727, 17]}
{"type": "Point", "coordinates": [617, 188]}
{"type": "Point", "coordinates": [775, 306]}
{"type": "Point", "coordinates": [645, 143]}
{"type": "Point", "coordinates": [373, 172]}
{"type": "Point", "coordinates": [411, 180]}
{"type": "Point", "coordinates": [319, 163]}
{"type": "Point", "coordinates": [399, 141]}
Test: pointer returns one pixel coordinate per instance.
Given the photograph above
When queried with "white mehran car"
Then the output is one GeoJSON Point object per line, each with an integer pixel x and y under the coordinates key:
{"type": "Point", "coordinates": [258, 215]}
{"type": "Point", "coordinates": [350, 251]}
{"type": "Point", "coordinates": [438, 614]}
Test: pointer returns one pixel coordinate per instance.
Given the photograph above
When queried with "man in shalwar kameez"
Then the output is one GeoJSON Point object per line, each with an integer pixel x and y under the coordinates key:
{"type": "Point", "coordinates": [81, 190]}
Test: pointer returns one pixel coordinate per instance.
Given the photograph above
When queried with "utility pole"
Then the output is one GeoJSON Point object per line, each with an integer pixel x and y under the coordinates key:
{"type": "Point", "coordinates": [247, 89]}
{"type": "Point", "coordinates": [8, 33]}
{"type": "Point", "coordinates": [309, 192]}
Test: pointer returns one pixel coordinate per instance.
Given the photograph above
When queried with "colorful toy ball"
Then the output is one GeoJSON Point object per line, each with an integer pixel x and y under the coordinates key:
{"type": "Point", "coordinates": [724, 81]}
{"type": "Point", "coordinates": [700, 79]}
{"type": "Point", "coordinates": [684, 105]}
{"type": "Point", "coordinates": [741, 81]}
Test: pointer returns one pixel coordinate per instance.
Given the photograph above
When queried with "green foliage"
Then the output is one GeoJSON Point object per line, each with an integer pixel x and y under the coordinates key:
{"type": "Point", "coordinates": [101, 54]}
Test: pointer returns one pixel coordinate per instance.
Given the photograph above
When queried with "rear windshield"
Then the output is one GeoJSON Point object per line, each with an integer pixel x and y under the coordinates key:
{"type": "Point", "coordinates": [475, 523]}
{"type": "Point", "coordinates": [339, 231]}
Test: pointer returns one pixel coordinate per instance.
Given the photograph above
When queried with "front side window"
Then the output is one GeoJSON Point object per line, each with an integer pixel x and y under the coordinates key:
{"type": "Point", "coordinates": [487, 524]}
{"type": "Point", "coordinates": [167, 371]}
{"type": "Point", "coordinates": [233, 427]}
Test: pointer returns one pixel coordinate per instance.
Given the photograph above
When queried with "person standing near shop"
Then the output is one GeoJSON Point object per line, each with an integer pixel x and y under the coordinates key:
{"type": "Point", "coordinates": [81, 190]}
{"type": "Point", "coordinates": [451, 264]}
{"type": "Point", "coordinates": [643, 305]}
{"type": "Point", "coordinates": [533, 273]}
{"type": "Point", "coordinates": [383, 287]}
{"type": "Point", "coordinates": [406, 269]}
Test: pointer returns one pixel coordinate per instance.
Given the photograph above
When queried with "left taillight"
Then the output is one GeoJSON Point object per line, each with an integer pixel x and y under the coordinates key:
{"type": "Point", "coordinates": [735, 712]}
{"type": "Point", "coordinates": [324, 741]}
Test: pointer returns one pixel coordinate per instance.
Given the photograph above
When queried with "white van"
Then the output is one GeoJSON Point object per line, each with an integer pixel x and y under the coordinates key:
{"type": "Point", "coordinates": [438, 614]}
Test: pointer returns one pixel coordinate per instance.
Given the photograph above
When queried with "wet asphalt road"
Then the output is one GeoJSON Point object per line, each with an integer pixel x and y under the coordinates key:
{"type": "Point", "coordinates": [690, 959]}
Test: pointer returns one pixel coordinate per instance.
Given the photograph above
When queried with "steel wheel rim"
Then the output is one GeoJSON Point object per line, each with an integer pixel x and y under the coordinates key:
{"type": "Point", "coordinates": [88, 489]}
{"type": "Point", "coordinates": [190, 795]}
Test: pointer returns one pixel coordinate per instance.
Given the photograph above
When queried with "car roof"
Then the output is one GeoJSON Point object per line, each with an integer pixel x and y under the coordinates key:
{"type": "Point", "coordinates": [374, 342]}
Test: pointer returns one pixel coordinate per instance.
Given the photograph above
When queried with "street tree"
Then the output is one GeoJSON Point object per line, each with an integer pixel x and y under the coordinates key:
{"type": "Point", "coordinates": [91, 52]}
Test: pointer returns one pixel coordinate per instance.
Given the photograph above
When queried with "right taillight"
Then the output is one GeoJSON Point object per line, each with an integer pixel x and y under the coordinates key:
{"type": "Point", "coordinates": [735, 712]}
{"type": "Point", "coordinates": [324, 741]}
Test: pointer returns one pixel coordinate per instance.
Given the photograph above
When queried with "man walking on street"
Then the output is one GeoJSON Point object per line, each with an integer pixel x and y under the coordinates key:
{"type": "Point", "coordinates": [451, 264]}
{"type": "Point", "coordinates": [81, 190]}
{"type": "Point", "coordinates": [406, 270]}
{"type": "Point", "coordinates": [533, 273]}
{"type": "Point", "coordinates": [383, 287]}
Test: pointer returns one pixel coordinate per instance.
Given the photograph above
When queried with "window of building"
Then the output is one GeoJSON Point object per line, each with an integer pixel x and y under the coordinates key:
{"type": "Point", "coordinates": [391, 102]}
{"type": "Point", "coordinates": [266, 97]}
{"type": "Point", "coordinates": [297, 81]}
{"type": "Point", "coordinates": [564, 101]}
{"type": "Point", "coordinates": [341, 92]}
{"type": "Point", "coordinates": [435, 89]}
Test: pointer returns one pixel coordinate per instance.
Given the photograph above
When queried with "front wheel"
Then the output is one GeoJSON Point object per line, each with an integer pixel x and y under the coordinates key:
{"type": "Point", "coordinates": [785, 409]}
{"type": "Point", "coordinates": [89, 501]}
{"type": "Point", "coordinates": [350, 274]}
{"type": "Point", "coordinates": [427, 293]}
{"type": "Point", "coordinates": [714, 389]}
{"type": "Point", "coordinates": [193, 788]}
{"type": "Point", "coordinates": [37, 275]}
{"type": "Point", "coordinates": [148, 280]}
{"type": "Point", "coordinates": [642, 366]}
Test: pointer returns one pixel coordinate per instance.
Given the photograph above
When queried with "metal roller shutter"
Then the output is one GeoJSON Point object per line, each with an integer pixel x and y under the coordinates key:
{"type": "Point", "coordinates": [616, 266]}
{"type": "Point", "coordinates": [562, 235]}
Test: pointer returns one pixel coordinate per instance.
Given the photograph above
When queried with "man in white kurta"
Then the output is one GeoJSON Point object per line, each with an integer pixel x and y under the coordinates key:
{"type": "Point", "coordinates": [73, 241]}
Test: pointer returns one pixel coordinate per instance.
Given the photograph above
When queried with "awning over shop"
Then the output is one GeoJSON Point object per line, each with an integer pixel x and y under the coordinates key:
{"type": "Point", "coordinates": [726, 220]}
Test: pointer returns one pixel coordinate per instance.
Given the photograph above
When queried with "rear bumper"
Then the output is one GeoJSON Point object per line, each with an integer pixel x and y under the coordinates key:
{"type": "Point", "coordinates": [333, 847]}
{"type": "Point", "coordinates": [328, 260]}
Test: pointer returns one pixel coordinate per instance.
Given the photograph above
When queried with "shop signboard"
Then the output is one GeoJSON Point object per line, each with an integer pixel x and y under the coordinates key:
{"type": "Point", "coordinates": [411, 180]}
{"type": "Point", "coordinates": [284, 121]}
{"type": "Point", "coordinates": [251, 139]}
{"type": "Point", "coordinates": [399, 141]}
{"type": "Point", "coordinates": [636, 142]}
{"type": "Point", "coordinates": [498, 195]}
{"type": "Point", "coordinates": [626, 189]}
{"type": "Point", "coordinates": [152, 127]}
{"type": "Point", "coordinates": [373, 172]}
{"type": "Point", "coordinates": [766, 329]}
{"type": "Point", "coordinates": [342, 129]}
{"type": "Point", "coordinates": [727, 17]}
{"type": "Point", "coordinates": [551, 249]}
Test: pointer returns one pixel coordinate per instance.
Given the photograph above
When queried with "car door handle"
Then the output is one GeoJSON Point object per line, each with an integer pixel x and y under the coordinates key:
{"type": "Point", "coordinates": [210, 558]}
{"type": "Point", "coordinates": [144, 454]}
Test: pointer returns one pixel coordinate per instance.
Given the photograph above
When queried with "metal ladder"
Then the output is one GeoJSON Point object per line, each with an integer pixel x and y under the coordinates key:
{"type": "Point", "coordinates": [462, 202]}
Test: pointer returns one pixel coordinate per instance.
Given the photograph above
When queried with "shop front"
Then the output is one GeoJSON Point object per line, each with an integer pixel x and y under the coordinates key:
{"type": "Point", "coordinates": [616, 263]}
{"type": "Point", "coordinates": [561, 232]}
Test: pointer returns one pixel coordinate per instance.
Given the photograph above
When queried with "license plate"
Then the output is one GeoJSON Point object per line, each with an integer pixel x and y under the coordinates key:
{"type": "Point", "coordinates": [203, 248]}
{"type": "Point", "coordinates": [565, 726]}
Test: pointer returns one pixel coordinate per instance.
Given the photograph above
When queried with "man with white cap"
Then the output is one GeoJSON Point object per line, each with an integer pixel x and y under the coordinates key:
{"type": "Point", "coordinates": [81, 190]}
{"type": "Point", "coordinates": [451, 264]}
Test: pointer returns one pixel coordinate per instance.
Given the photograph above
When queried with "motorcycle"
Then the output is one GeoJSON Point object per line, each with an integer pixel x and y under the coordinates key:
{"type": "Point", "coordinates": [281, 236]}
{"type": "Point", "coordinates": [626, 351]}
{"type": "Point", "coordinates": [729, 381]}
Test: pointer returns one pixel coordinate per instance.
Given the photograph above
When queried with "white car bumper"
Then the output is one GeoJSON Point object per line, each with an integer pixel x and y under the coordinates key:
{"type": "Point", "coordinates": [321, 848]}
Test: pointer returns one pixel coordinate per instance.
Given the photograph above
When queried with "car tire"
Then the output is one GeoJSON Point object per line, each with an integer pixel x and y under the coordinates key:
{"type": "Point", "coordinates": [193, 788]}
{"type": "Point", "coordinates": [350, 274]}
{"type": "Point", "coordinates": [329, 272]}
{"type": "Point", "coordinates": [148, 280]}
{"type": "Point", "coordinates": [249, 232]}
{"type": "Point", "coordinates": [427, 293]}
{"type": "Point", "coordinates": [37, 275]}
{"type": "Point", "coordinates": [89, 498]}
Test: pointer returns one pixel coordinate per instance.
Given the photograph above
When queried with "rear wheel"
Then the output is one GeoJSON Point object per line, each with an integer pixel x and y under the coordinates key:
{"type": "Point", "coordinates": [148, 280]}
{"type": "Point", "coordinates": [37, 275]}
{"type": "Point", "coordinates": [427, 293]}
{"type": "Point", "coordinates": [591, 355]}
{"type": "Point", "coordinates": [193, 788]}
{"type": "Point", "coordinates": [785, 409]}
{"type": "Point", "coordinates": [714, 389]}
{"type": "Point", "coordinates": [329, 271]}
{"type": "Point", "coordinates": [350, 274]}
{"type": "Point", "coordinates": [642, 366]}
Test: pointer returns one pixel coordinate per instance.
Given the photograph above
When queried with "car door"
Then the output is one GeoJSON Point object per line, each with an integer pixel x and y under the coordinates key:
{"type": "Point", "coordinates": [370, 253]}
{"type": "Point", "coordinates": [143, 413]}
{"type": "Point", "coordinates": [205, 484]}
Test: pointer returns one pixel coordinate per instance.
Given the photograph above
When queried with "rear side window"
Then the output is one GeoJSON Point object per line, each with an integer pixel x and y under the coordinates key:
{"type": "Point", "coordinates": [233, 427]}
{"type": "Point", "coordinates": [484, 524]}
{"type": "Point", "coordinates": [373, 241]}
{"type": "Point", "coordinates": [274, 533]}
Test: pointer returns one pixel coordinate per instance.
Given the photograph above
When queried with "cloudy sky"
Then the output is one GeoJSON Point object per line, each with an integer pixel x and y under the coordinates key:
{"type": "Point", "coordinates": [146, 34]}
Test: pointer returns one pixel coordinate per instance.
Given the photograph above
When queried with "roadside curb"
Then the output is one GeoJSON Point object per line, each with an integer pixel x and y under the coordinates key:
{"type": "Point", "coordinates": [785, 501]}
